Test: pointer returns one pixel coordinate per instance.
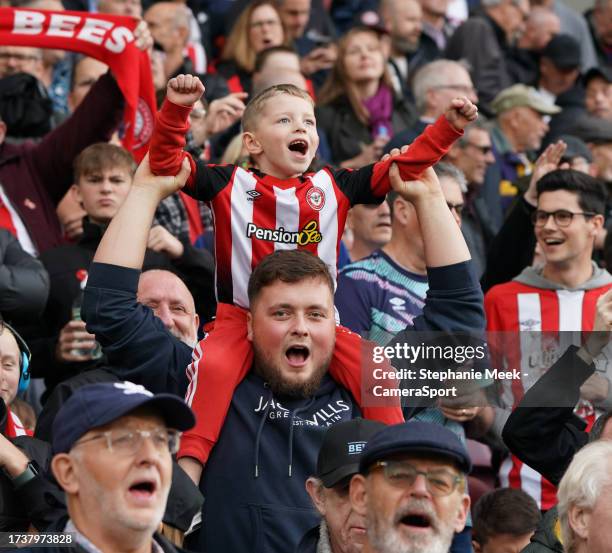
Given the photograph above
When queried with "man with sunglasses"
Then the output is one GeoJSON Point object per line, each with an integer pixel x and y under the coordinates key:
{"type": "Point", "coordinates": [411, 489]}
{"type": "Point", "coordinates": [113, 459]}
{"type": "Point", "coordinates": [561, 295]}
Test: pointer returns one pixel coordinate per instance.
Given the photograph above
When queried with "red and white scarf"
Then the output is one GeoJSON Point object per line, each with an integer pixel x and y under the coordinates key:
{"type": "Point", "coordinates": [108, 38]}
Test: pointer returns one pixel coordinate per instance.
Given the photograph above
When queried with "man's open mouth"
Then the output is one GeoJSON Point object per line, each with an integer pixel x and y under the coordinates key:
{"type": "Point", "coordinates": [297, 355]}
{"type": "Point", "coordinates": [416, 520]}
{"type": "Point", "coordinates": [143, 488]}
{"type": "Point", "coordinates": [299, 146]}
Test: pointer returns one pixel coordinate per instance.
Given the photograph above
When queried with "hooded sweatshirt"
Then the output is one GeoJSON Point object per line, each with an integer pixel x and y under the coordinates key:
{"type": "Point", "coordinates": [254, 479]}
{"type": "Point", "coordinates": [528, 304]}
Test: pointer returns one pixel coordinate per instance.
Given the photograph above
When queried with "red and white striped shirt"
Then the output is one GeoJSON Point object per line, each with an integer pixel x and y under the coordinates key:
{"type": "Point", "coordinates": [533, 319]}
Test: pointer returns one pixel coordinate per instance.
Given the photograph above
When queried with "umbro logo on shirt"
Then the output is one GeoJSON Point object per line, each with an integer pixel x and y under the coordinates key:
{"type": "Point", "coordinates": [253, 195]}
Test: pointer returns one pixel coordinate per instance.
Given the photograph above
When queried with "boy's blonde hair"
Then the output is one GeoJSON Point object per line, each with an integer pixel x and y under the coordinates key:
{"type": "Point", "coordinates": [256, 105]}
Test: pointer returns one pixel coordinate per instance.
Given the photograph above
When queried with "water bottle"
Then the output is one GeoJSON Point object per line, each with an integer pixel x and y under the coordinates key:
{"type": "Point", "coordinates": [96, 352]}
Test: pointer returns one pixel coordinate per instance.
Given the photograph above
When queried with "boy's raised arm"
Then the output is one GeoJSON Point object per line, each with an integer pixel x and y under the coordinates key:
{"type": "Point", "coordinates": [168, 140]}
{"type": "Point", "coordinates": [428, 148]}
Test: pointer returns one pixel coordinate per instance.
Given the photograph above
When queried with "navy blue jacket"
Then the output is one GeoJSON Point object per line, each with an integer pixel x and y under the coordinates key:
{"type": "Point", "coordinates": [254, 479]}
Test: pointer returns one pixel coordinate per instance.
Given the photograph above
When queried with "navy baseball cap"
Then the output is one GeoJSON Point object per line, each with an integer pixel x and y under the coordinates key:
{"type": "Point", "coordinates": [95, 405]}
{"type": "Point", "coordinates": [415, 437]}
{"type": "Point", "coordinates": [341, 449]}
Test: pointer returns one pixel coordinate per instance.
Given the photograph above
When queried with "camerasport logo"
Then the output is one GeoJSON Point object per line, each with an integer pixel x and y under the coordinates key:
{"type": "Point", "coordinates": [309, 234]}
{"type": "Point", "coordinates": [315, 197]}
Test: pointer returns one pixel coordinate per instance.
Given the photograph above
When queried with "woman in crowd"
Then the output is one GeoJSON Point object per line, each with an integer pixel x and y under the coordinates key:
{"type": "Point", "coordinates": [358, 111]}
{"type": "Point", "coordinates": [259, 27]}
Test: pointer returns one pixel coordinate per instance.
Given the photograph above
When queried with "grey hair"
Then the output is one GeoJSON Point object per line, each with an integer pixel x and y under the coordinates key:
{"type": "Point", "coordinates": [430, 76]}
{"type": "Point", "coordinates": [481, 123]}
{"type": "Point", "coordinates": [589, 472]}
{"type": "Point", "coordinates": [450, 171]}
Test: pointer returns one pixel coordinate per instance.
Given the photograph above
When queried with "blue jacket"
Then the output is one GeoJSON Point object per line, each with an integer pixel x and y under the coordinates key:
{"type": "Point", "coordinates": [254, 479]}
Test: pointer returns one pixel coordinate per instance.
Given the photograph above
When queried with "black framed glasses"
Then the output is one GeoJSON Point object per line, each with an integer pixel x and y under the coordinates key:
{"type": "Point", "coordinates": [402, 474]}
{"type": "Point", "coordinates": [128, 442]}
{"type": "Point", "coordinates": [562, 217]}
{"type": "Point", "coordinates": [484, 150]}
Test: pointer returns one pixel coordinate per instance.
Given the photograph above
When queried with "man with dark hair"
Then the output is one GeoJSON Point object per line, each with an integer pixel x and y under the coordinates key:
{"type": "Point", "coordinates": [560, 296]}
{"type": "Point", "coordinates": [279, 412]}
{"type": "Point", "coordinates": [504, 520]}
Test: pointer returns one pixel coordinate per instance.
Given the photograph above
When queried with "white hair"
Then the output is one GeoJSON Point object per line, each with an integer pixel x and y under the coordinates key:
{"type": "Point", "coordinates": [430, 76]}
{"type": "Point", "coordinates": [589, 472]}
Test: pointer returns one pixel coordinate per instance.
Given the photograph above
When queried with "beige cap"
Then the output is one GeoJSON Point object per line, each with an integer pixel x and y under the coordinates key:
{"type": "Point", "coordinates": [522, 95]}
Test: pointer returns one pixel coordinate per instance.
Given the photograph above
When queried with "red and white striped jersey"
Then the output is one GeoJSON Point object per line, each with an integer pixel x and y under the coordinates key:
{"type": "Point", "coordinates": [255, 214]}
{"type": "Point", "coordinates": [532, 319]}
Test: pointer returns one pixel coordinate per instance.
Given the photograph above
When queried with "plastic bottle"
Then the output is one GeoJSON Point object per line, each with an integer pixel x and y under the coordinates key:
{"type": "Point", "coordinates": [96, 352]}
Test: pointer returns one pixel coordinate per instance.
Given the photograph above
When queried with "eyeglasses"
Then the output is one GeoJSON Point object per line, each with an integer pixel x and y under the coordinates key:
{"type": "Point", "coordinates": [128, 443]}
{"type": "Point", "coordinates": [401, 474]}
{"type": "Point", "coordinates": [484, 150]}
{"type": "Point", "coordinates": [465, 89]}
{"type": "Point", "coordinates": [562, 217]}
{"type": "Point", "coordinates": [457, 208]}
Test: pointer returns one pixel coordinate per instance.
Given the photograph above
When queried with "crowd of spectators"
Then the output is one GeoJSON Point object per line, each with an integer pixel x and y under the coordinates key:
{"type": "Point", "coordinates": [186, 339]}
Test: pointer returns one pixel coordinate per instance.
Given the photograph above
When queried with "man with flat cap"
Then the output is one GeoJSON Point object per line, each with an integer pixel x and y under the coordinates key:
{"type": "Point", "coordinates": [342, 530]}
{"type": "Point", "coordinates": [411, 489]}
{"type": "Point", "coordinates": [113, 444]}
{"type": "Point", "coordinates": [520, 126]}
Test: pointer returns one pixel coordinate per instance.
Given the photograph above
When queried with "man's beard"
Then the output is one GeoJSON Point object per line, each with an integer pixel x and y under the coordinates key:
{"type": "Point", "coordinates": [279, 385]}
{"type": "Point", "coordinates": [404, 45]}
{"type": "Point", "coordinates": [385, 537]}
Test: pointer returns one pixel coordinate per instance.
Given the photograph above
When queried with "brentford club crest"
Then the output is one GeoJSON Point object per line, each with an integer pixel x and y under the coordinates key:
{"type": "Point", "coordinates": [315, 197]}
{"type": "Point", "coordinates": [144, 124]}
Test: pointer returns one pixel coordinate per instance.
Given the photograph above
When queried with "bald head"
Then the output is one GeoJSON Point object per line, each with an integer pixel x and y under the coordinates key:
{"type": "Point", "coordinates": [404, 21]}
{"type": "Point", "coordinates": [169, 25]}
{"type": "Point", "coordinates": [172, 302]}
{"type": "Point", "coordinates": [541, 25]}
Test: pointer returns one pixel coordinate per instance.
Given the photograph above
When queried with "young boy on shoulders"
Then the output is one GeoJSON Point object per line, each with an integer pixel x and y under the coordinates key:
{"type": "Point", "coordinates": [279, 205]}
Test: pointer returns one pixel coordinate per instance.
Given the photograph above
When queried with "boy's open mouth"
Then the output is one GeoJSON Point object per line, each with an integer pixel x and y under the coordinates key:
{"type": "Point", "coordinates": [300, 146]}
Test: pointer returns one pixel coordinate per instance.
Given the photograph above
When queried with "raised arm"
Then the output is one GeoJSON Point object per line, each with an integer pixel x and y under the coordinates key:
{"type": "Point", "coordinates": [168, 140]}
{"type": "Point", "coordinates": [125, 241]}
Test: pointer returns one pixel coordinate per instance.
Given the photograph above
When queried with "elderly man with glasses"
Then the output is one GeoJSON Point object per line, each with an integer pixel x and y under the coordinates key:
{"type": "Point", "coordinates": [411, 489]}
{"type": "Point", "coordinates": [113, 445]}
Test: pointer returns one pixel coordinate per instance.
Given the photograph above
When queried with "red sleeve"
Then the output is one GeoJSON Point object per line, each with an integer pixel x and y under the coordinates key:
{"type": "Point", "coordinates": [427, 149]}
{"type": "Point", "coordinates": [166, 147]}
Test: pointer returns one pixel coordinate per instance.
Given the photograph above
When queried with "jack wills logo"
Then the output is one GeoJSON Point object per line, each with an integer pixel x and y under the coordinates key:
{"type": "Point", "coordinates": [324, 416]}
